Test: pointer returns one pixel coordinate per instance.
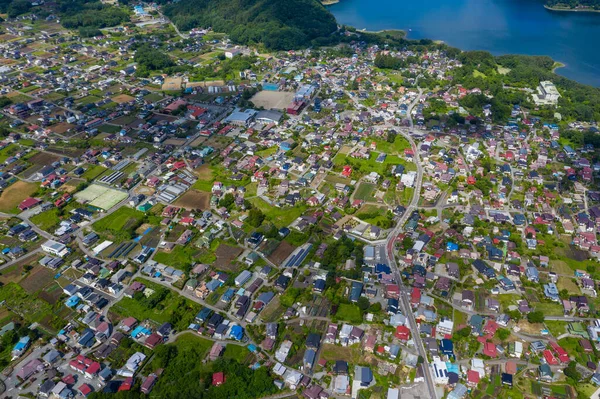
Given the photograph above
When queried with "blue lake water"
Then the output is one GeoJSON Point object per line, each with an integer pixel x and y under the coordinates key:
{"type": "Point", "coordinates": [498, 26]}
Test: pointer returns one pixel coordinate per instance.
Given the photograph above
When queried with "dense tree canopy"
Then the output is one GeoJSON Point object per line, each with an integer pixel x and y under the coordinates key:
{"type": "Point", "coordinates": [90, 15]}
{"type": "Point", "coordinates": [278, 24]}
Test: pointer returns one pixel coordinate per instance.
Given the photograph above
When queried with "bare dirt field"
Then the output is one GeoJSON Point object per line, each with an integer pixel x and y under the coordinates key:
{"type": "Point", "coordinates": [225, 254]}
{"type": "Point", "coordinates": [281, 253]}
{"type": "Point", "coordinates": [175, 142]}
{"type": "Point", "coordinates": [51, 294]}
{"type": "Point", "coordinates": [122, 98]}
{"type": "Point", "coordinates": [193, 199]}
{"type": "Point", "coordinates": [43, 158]}
{"type": "Point", "coordinates": [61, 128]}
{"type": "Point", "coordinates": [273, 99]}
{"type": "Point", "coordinates": [70, 152]}
{"type": "Point", "coordinates": [14, 194]}
{"type": "Point", "coordinates": [172, 83]}
{"type": "Point", "coordinates": [37, 279]}
{"type": "Point", "coordinates": [204, 172]}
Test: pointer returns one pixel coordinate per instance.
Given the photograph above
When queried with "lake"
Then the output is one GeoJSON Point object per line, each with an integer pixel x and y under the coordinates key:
{"type": "Point", "coordinates": [498, 26]}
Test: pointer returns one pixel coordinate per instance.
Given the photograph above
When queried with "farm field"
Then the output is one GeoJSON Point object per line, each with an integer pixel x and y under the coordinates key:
{"type": "Point", "coordinates": [47, 220]}
{"type": "Point", "coordinates": [14, 194]}
{"type": "Point", "coordinates": [194, 199]}
{"type": "Point", "coordinates": [122, 219]}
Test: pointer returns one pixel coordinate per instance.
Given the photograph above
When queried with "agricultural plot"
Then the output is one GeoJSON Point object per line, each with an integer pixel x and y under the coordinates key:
{"type": "Point", "coordinates": [14, 194]}
{"type": "Point", "coordinates": [194, 199]}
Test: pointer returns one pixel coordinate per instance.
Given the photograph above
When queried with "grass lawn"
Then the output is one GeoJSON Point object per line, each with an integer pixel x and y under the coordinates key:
{"type": "Point", "coordinates": [556, 328]}
{"type": "Point", "coordinates": [365, 192]}
{"type": "Point", "coordinates": [397, 147]}
{"type": "Point", "coordinates": [365, 166]}
{"type": "Point", "coordinates": [93, 171]}
{"type": "Point", "coordinates": [236, 352]}
{"type": "Point", "coordinates": [47, 220]}
{"type": "Point", "coordinates": [268, 151]}
{"type": "Point", "coordinates": [372, 214]}
{"type": "Point", "coordinates": [153, 97]}
{"type": "Point", "coordinates": [507, 299]}
{"type": "Point", "coordinates": [549, 309]}
{"type": "Point", "coordinates": [8, 151]}
{"type": "Point", "coordinates": [119, 220]}
{"type": "Point", "coordinates": [181, 257]}
{"type": "Point", "coordinates": [349, 313]}
{"type": "Point", "coordinates": [162, 312]}
{"type": "Point", "coordinates": [191, 340]}
{"type": "Point", "coordinates": [351, 354]}
{"type": "Point", "coordinates": [88, 100]}
{"type": "Point", "coordinates": [281, 217]}
{"type": "Point", "coordinates": [109, 128]}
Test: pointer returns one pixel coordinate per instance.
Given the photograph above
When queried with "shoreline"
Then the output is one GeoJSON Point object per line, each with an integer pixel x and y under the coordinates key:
{"type": "Point", "coordinates": [557, 65]}
{"type": "Point", "coordinates": [329, 2]}
{"type": "Point", "coordinates": [561, 9]}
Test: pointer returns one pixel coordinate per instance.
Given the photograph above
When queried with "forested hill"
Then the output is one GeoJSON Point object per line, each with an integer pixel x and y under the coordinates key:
{"type": "Point", "coordinates": [277, 24]}
{"type": "Point", "coordinates": [594, 4]}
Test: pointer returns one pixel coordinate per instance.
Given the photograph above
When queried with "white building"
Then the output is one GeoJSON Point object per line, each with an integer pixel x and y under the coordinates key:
{"type": "Point", "coordinates": [55, 248]}
{"type": "Point", "coordinates": [440, 371]}
{"type": "Point", "coordinates": [547, 94]}
{"type": "Point", "coordinates": [408, 179]}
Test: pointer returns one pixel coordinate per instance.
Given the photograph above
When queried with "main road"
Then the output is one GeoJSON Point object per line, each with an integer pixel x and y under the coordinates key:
{"type": "Point", "coordinates": [404, 303]}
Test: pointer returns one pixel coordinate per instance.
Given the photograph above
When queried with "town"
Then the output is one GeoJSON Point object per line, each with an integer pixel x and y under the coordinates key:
{"type": "Point", "coordinates": [310, 223]}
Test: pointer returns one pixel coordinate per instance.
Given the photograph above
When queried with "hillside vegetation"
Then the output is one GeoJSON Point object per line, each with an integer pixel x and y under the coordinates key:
{"type": "Point", "coordinates": [277, 24]}
{"type": "Point", "coordinates": [594, 4]}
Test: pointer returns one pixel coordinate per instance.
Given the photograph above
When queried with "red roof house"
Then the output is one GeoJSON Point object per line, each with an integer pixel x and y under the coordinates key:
{"type": "Point", "coordinates": [218, 379]}
{"type": "Point", "coordinates": [473, 377]}
{"type": "Point", "coordinates": [402, 333]}
{"type": "Point", "coordinates": [489, 349]}
{"type": "Point", "coordinates": [29, 203]}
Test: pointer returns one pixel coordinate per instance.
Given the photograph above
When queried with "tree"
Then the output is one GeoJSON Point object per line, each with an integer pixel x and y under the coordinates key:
{"type": "Point", "coordinates": [255, 217]}
{"type": "Point", "coordinates": [502, 334]}
{"type": "Point", "coordinates": [536, 317]}
{"type": "Point", "coordinates": [227, 201]}
{"type": "Point", "coordinates": [571, 371]}
{"type": "Point", "coordinates": [363, 303]}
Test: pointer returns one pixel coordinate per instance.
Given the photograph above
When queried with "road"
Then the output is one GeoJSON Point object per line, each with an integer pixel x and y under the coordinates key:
{"type": "Point", "coordinates": [404, 302]}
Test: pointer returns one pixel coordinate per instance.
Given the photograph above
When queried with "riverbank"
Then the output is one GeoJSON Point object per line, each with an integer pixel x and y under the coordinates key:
{"type": "Point", "coordinates": [566, 9]}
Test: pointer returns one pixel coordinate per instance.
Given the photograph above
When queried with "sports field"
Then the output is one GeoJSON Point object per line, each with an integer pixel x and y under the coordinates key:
{"type": "Point", "coordinates": [101, 196]}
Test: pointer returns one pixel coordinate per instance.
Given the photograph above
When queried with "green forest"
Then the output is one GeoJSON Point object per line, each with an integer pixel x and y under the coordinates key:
{"type": "Point", "coordinates": [87, 16]}
{"type": "Point", "coordinates": [187, 376]}
{"type": "Point", "coordinates": [277, 24]}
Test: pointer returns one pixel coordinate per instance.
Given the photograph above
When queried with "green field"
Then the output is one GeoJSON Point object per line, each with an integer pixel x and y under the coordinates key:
{"type": "Point", "coordinates": [549, 309]}
{"type": "Point", "coordinates": [281, 217]}
{"type": "Point", "coordinates": [181, 257]}
{"type": "Point", "coordinates": [93, 171]}
{"type": "Point", "coordinates": [47, 220]}
{"type": "Point", "coordinates": [119, 221]}
{"type": "Point", "coordinates": [172, 308]}
{"type": "Point", "coordinates": [349, 313]}
{"type": "Point", "coordinates": [236, 352]}
{"type": "Point", "coordinates": [32, 308]}
{"type": "Point", "coordinates": [372, 214]}
{"type": "Point", "coordinates": [8, 151]}
{"type": "Point", "coordinates": [365, 192]}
